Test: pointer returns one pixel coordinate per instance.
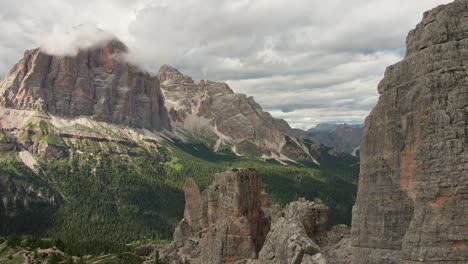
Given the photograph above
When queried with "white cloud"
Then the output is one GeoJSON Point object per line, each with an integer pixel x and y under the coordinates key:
{"type": "Point", "coordinates": [307, 61]}
{"type": "Point", "coordinates": [68, 41]}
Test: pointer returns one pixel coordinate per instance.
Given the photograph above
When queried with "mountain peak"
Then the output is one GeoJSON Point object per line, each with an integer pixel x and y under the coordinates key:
{"type": "Point", "coordinates": [95, 81]}
{"type": "Point", "coordinates": [82, 38]}
{"type": "Point", "coordinates": [169, 74]}
{"type": "Point", "coordinates": [168, 69]}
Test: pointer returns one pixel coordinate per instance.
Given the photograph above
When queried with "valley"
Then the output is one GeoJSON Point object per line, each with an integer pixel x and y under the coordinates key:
{"type": "Point", "coordinates": [102, 161]}
{"type": "Point", "coordinates": [96, 182]}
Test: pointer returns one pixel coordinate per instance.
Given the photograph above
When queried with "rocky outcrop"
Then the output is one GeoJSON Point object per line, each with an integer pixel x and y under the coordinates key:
{"type": "Point", "coordinates": [232, 116]}
{"type": "Point", "coordinates": [97, 82]}
{"type": "Point", "coordinates": [412, 204]}
{"type": "Point", "coordinates": [221, 227]}
{"type": "Point", "coordinates": [233, 222]}
{"type": "Point", "coordinates": [212, 112]}
{"type": "Point", "coordinates": [291, 238]}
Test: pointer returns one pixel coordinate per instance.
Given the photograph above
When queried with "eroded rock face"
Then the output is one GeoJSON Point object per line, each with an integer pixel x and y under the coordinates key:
{"type": "Point", "coordinates": [233, 222]}
{"type": "Point", "coordinates": [222, 226]}
{"type": "Point", "coordinates": [96, 83]}
{"type": "Point", "coordinates": [291, 238]}
{"type": "Point", "coordinates": [229, 119]}
{"type": "Point", "coordinates": [412, 204]}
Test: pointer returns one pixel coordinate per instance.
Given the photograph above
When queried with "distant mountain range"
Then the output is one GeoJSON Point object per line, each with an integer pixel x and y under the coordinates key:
{"type": "Point", "coordinates": [99, 84]}
{"type": "Point", "coordinates": [342, 137]}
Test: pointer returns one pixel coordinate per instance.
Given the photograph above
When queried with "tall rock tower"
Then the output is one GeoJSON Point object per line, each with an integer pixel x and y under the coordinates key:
{"type": "Point", "coordinates": [412, 204]}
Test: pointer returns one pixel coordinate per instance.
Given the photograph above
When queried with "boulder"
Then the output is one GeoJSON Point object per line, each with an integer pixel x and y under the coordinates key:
{"type": "Point", "coordinates": [291, 238]}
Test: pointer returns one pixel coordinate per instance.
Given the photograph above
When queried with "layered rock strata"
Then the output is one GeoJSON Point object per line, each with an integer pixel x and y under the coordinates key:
{"type": "Point", "coordinates": [213, 113]}
{"type": "Point", "coordinates": [97, 82]}
{"type": "Point", "coordinates": [412, 204]}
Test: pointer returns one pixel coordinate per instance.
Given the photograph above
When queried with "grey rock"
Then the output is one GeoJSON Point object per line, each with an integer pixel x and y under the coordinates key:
{"type": "Point", "coordinates": [291, 238]}
{"type": "Point", "coordinates": [287, 242]}
{"type": "Point", "coordinates": [214, 114]}
{"type": "Point", "coordinates": [318, 258]}
{"type": "Point", "coordinates": [336, 244]}
{"type": "Point", "coordinates": [232, 223]}
{"type": "Point", "coordinates": [412, 204]}
{"type": "Point", "coordinates": [312, 215]}
{"type": "Point", "coordinates": [144, 250]}
{"type": "Point", "coordinates": [96, 83]}
{"type": "Point", "coordinates": [222, 226]}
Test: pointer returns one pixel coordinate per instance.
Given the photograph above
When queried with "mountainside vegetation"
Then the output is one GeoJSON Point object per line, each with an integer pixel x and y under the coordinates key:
{"type": "Point", "coordinates": [102, 201]}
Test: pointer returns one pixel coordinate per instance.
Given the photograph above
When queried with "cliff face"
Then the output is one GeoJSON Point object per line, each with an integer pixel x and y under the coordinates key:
{"type": "Point", "coordinates": [412, 204]}
{"type": "Point", "coordinates": [233, 117]}
{"type": "Point", "coordinates": [96, 83]}
{"type": "Point", "coordinates": [225, 220]}
{"type": "Point", "coordinates": [233, 222]}
{"type": "Point", "coordinates": [212, 111]}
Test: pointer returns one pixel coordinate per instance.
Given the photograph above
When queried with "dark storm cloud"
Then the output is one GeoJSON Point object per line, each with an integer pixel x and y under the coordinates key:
{"type": "Point", "coordinates": [306, 61]}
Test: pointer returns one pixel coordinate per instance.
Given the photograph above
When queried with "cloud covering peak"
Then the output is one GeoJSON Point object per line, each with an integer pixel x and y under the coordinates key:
{"type": "Point", "coordinates": [68, 41]}
{"type": "Point", "coordinates": [305, 61]}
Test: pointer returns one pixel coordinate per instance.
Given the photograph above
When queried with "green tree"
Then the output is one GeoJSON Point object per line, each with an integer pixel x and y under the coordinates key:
{"type": "Point", "coordinates": [53, 259]}
{"type": "Point", "coordinates": [70, 259]}
{"type": "Point", "coordinates": [13, 240]}
{"type": "Point", "coordinates": [60, 245]}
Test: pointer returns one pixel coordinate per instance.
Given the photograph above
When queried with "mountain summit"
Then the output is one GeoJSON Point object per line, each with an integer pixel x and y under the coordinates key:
{"type": "Point", "coordinates": [211, 110]}
{"type": "Point", "coordinates": [93, 148]}
{"type": "Point", "coordinates": [97, 82]}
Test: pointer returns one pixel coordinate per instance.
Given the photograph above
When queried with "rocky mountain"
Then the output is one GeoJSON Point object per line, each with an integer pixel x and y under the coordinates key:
{"type": "Point", "coordinates": [212, 113]}
{"type": "Point", "coordinates": [342, 137]}
{"type": "Point", "coordinates": [234, 222]}
{"type": "Point", "coordinates": [100, 84]}
{"type": "Point", "coordinates": [90, 138]}
{"type": "Point", "coordinates": [412, 204]}
{"type": "Point", "coordinates": [97, 82]}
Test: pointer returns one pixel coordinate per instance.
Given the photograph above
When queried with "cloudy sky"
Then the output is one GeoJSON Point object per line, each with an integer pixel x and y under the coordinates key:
{"type": "Point", "coordinates": [306, 61]}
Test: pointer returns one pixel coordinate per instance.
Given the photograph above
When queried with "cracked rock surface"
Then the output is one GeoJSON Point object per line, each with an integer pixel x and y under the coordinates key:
{"type": "Point", "coordinates": [412, 204]}
{"type": "Point", "coordinates": [96, 82]}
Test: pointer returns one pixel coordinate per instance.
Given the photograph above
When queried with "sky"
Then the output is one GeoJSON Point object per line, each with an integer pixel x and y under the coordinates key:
{"type": "Point", "coordinates": [305, 61]}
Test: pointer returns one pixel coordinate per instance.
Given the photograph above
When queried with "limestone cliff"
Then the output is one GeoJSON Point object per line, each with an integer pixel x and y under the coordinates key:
{"type": "Point", "coordinates": [97, 82]}
{"type": "Point", "coordinates": [234, 222]}
{"type": "Point", "coordinates": [224, 221]}
{"type": "Point", "coordinates": [212, 112]}
{"type": "Point", "coordinates": [412, 204]}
